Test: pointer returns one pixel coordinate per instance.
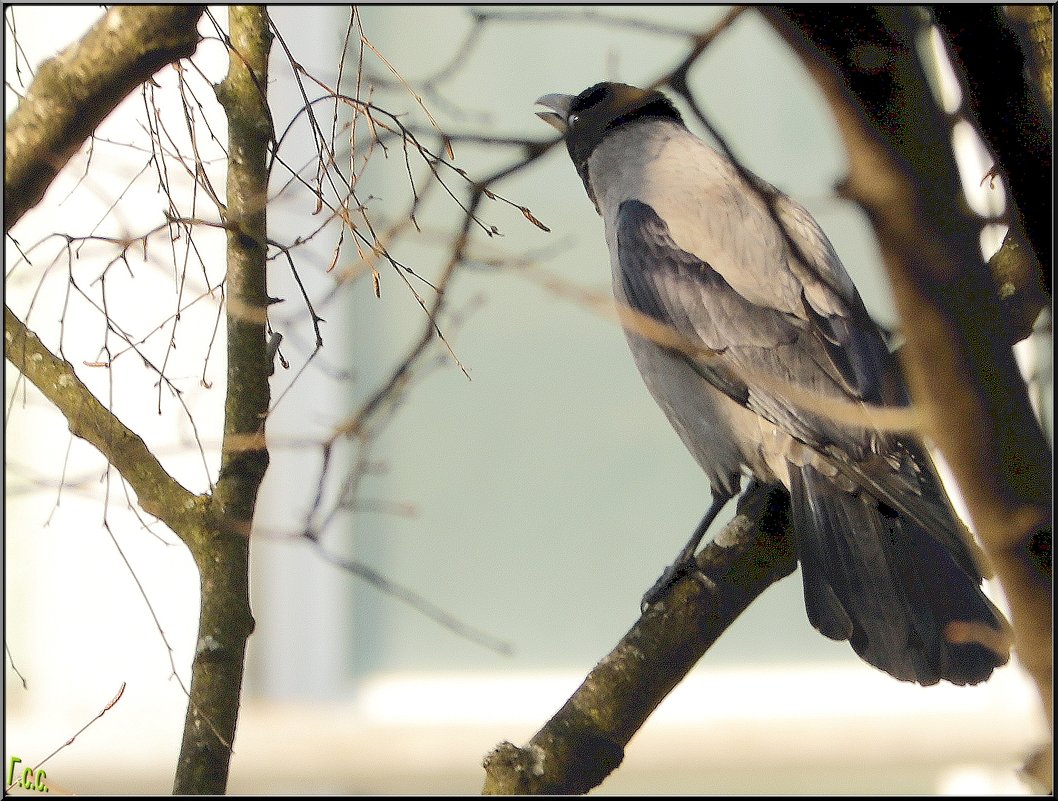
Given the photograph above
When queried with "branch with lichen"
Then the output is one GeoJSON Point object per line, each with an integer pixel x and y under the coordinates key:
{"type": "Point", "coordinates": [584, 742]}
{"type": "Point", "coordinates": [225, 620]}
{"type": "Point", "coordinates": [71, 94]}
{"type": "Point", "coordinates": [1002, 99]}
{"type": "Point", "coordinates": [157, 492]}
{"type": "Point", "coordinates": [76, 90]}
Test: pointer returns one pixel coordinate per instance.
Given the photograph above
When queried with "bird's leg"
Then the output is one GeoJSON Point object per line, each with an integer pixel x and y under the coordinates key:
{"type": "Point", "coordinates": [684, 562]}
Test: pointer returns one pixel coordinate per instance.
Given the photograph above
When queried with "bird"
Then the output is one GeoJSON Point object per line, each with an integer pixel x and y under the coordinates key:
{"type": "Point", "coordinates": [759, 308]}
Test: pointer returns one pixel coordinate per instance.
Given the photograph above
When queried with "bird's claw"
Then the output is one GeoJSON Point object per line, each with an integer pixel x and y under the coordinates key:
{"type": "Point", "coordinates": [665, 583]}
{"type": "Point", "coordinates": [682, 568]}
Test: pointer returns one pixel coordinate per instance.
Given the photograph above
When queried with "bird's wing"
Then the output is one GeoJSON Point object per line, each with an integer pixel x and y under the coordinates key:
{"type": "Point", "coordinates": [823, 345]}
{"type": "Point", "coordinates": [819, 351]}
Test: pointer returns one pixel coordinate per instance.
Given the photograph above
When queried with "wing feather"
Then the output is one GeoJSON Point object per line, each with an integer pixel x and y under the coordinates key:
{"type": "Point", "coordinates": [808, 349]}
{"type": "Point", "coordinates": [828, 351]}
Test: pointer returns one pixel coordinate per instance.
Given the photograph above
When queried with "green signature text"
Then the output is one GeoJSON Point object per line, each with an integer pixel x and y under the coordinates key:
{"type": "Point", "coordinates": [28, 779]}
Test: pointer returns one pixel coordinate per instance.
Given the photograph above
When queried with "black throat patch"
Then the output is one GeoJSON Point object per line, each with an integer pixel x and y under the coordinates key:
{"type": "Point", "coordinates": [602, 108]}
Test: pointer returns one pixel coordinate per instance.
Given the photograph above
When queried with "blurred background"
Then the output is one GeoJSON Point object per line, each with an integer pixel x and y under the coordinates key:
{"type": "Point", "coordinates": [534, 501]}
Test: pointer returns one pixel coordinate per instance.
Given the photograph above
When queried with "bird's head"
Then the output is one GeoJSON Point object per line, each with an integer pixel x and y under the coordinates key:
{"type": "Point", "coordinates": [603, 107]}
{"type": "Point", "coordinates": [585, 119]}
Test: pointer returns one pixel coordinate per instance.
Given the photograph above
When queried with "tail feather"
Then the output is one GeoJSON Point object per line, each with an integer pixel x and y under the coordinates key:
{"type": "Point", "coordinates": [880, 580]}
{"type": "Point", "coordinates": [948, 595]}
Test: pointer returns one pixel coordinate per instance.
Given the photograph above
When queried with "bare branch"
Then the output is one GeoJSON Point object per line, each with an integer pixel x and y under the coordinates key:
{"type": "Point", "coordinates": [415, 600]}
{"type": "Point", "coordinates": [157, 492]}
{"type": "Point", "coordinates": [584, 742]}
{"type": "Point", "coordinates": [110, 705]}
{"type": "Point", "coordinates": [868, 415]}
{"type": "Point", "coordinates": [585, 16]}
{"type": "Point", "coordinates": [1034, 26]}
{"type": "Point", "coordinates": [75, 91]}
{"type": "Point", "coordinates": [1007, 108]}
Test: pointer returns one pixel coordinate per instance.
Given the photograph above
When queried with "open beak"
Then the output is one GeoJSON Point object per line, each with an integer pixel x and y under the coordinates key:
{"type": "Point", "coordinates": [559, 111]}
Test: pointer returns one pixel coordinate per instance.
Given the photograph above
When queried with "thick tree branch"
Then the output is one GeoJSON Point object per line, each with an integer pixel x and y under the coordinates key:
{"type": "Point", "coordinates": [1019, 280]}
{"type": "Point", "coordinates": [1034, 26]}
{"type": "Point", "coordinates": [958, 355]}
{"type": "Point", "coordinates": [70, 96]}
{"type": "Point", "coordinates": [75, 91]}
{"type": "Point", "coordinates": [584, 742]}
{"type": "Point", "coordinates": [1002, 98]}
{"type": "Point", "coordinates": [157, 492]}
{"type": "Point", "coordinates": [225, 622]}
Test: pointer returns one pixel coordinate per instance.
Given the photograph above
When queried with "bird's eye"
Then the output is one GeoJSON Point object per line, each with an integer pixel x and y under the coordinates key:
{"type": "Point", "coordinates": [572, 119]}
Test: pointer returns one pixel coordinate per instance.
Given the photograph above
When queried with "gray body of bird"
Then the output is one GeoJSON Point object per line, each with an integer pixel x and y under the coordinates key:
{"type": "Point", "coordinates": [746, 279]}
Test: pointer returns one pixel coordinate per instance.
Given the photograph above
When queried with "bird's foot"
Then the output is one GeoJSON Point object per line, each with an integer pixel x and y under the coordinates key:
{"type": "Point", "coordinates": [685, 565]}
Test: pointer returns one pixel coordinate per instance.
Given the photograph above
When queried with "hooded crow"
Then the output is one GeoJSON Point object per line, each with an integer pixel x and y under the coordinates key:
{"type": "Point", "coordinates": [755, 294]}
